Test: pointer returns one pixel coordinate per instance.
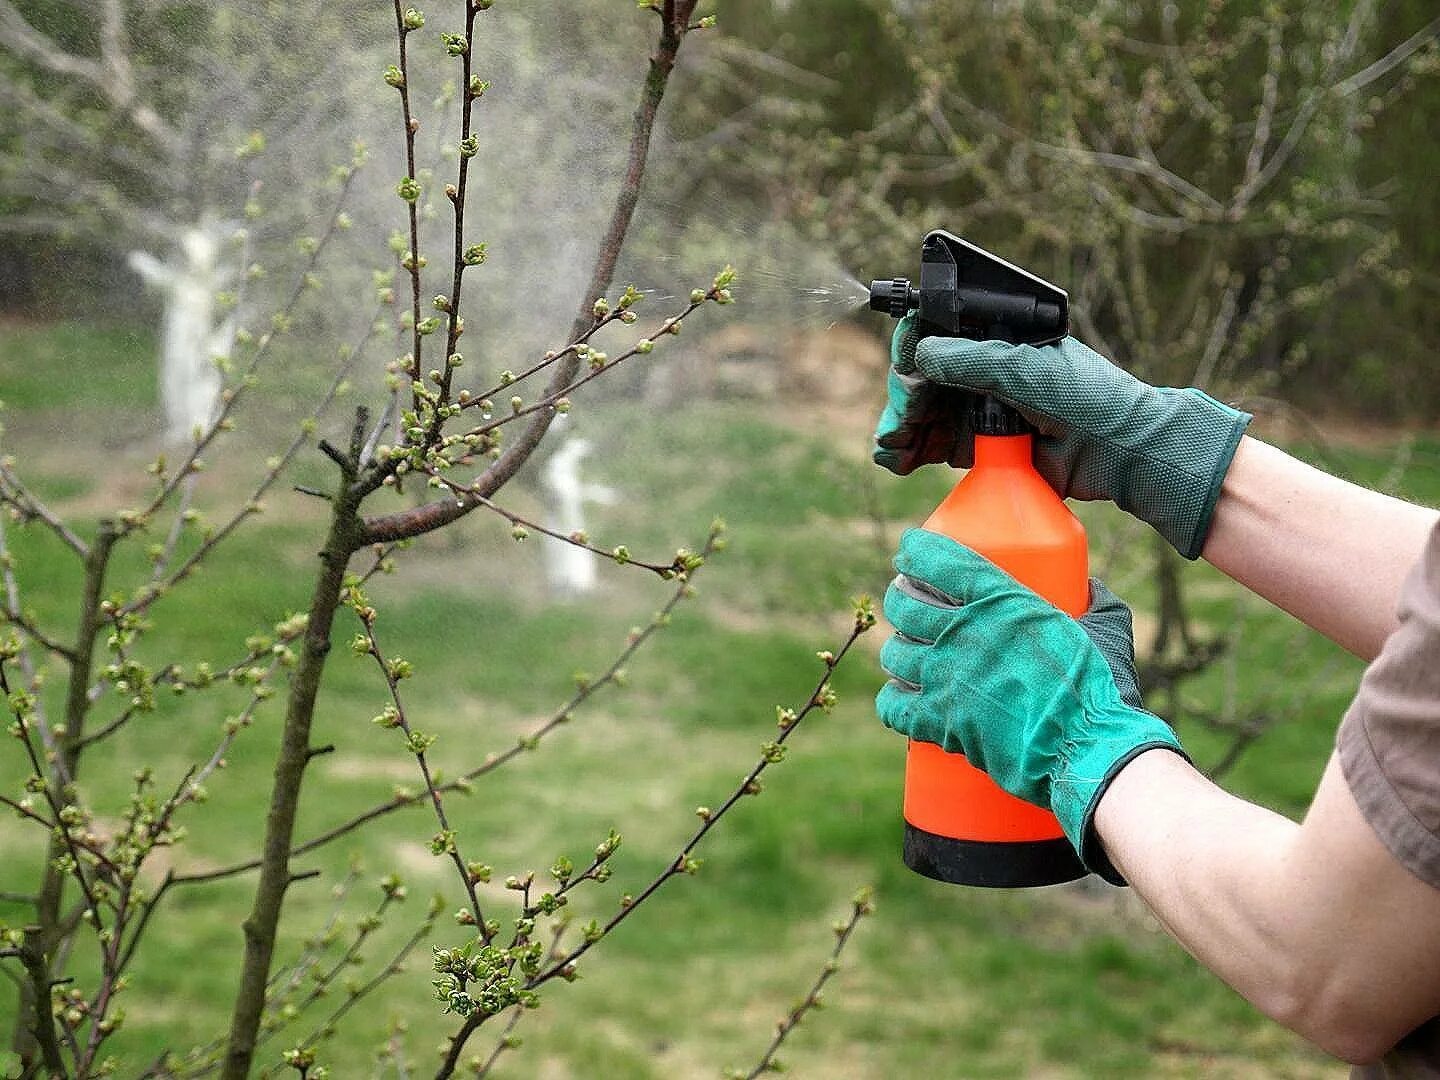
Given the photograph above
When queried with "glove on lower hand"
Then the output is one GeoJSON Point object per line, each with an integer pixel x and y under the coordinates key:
{"type": "Point", "coordinates": [1048, 706]}
{"type": "Point", "coordinates": [1156, 452]}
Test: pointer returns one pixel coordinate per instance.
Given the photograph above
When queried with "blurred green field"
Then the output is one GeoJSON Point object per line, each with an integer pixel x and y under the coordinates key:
{"type": "Point", "coordinates": [942, 981]}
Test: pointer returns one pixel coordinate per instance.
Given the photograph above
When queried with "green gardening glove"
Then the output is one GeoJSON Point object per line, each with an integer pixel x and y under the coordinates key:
{"type": "Point", "coordinates": [1156, 452]}
{"type": "Point", "coordinates": [1046, 705]}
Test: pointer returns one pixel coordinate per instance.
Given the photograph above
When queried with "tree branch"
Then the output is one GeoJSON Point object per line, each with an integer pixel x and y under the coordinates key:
{"type": "Point", "coordinates": [860, 907]}
{"type": "Point", "coordinates": [1391, 60]}
{"type": "Point", "coordinates": [662, 62]}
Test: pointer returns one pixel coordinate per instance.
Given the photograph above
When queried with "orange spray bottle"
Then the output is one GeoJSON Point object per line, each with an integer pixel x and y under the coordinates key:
{"type": "Point", "coordinates": [960, 827]}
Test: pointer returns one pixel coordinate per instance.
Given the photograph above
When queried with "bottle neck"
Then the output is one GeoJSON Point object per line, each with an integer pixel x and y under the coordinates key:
{"type": "Point", "coordinates": [1004, 451]}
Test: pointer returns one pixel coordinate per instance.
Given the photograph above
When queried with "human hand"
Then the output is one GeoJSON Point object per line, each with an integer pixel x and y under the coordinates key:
{"type": "Point", "coordinates": [1046, 705]}
{"type": "Point", "coordinates": [1156, 452]}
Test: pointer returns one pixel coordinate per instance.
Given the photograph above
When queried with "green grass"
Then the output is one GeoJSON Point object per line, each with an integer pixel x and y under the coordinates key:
{"type": "Point", "coordinates": [941, 981]}
{"type": "Point", "coordinates": [77, 365]}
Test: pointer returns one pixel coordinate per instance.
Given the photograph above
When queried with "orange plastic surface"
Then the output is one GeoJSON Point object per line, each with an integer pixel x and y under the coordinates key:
{"type": "Point", "coordinates": [1003, 509]}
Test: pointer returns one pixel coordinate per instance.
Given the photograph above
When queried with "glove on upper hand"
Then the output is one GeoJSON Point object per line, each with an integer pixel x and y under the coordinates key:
{"type": "Point", "coordinates": [1158, 453]}
{"type": "Point", "coordinates": [1048, 706]}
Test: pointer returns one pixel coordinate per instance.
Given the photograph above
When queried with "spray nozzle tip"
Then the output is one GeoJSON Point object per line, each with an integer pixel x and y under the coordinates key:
{"type": "Point", "coordinates": [895, 297]}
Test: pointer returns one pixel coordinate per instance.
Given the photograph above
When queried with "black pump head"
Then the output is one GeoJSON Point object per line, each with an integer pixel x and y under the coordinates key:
{"type": "Point", "coordinates": [967, 292]}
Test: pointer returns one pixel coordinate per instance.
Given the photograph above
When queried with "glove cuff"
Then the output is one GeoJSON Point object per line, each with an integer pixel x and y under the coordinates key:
{"type": "Point", "coordinates": [1082, 782]}
{"type": "Point", "coordinates": [1203, 465]}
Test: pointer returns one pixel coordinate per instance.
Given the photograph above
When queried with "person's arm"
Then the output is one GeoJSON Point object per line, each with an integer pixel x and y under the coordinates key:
{"type": "Point", "coordinates": [1316, 924]}
{"type": "Point", "coordinates": [1331, 553]}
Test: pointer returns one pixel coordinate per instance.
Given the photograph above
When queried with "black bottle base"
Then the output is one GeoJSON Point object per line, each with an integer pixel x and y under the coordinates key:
{"type": "Point", "coordinates": [989, 865]}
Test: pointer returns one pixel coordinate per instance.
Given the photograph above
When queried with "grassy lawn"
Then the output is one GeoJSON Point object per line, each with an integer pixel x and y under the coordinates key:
{"type": "Point", "coordinates": [944, 981]}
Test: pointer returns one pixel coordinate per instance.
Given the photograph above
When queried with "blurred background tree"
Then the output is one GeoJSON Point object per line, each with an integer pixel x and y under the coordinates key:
{"type": "Point", "coordinates": [1238, 192]}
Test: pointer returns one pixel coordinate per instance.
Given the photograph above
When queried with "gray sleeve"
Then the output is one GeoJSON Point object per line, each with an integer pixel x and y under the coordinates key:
{"type": "Point", "coordinates": [1389, 741]}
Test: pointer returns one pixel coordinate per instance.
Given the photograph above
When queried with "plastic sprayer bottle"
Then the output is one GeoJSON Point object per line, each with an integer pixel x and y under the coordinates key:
{"type": "Point", "coordinates": [960, 827]}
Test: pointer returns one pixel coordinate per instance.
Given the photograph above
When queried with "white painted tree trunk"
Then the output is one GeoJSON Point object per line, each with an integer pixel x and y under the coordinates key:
{"type": "Point", "coordinates": [193, 332]}
{"type": "Point", "coordinates": [569, 570]}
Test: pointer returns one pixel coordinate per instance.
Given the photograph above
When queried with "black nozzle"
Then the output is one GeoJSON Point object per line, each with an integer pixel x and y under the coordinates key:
{"type": "Point", "coordinates": [895, 297]}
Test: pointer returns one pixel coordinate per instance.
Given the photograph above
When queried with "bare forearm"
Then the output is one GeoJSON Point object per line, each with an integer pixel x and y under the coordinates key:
{"type": "Point", "coordinates": [1300, 919]}
{"type": "Point", "coordinates": [1331, 553]}
{"type": "Point", "coordinates": [1205, 862]}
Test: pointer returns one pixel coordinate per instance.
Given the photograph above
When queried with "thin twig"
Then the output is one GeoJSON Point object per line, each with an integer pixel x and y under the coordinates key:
{"type": "Point", "coordinates": [15, 494]}
{"type": "Point", "coordinates": [861, 906]}
{"type": "Point", "coordinates": [445, 841]}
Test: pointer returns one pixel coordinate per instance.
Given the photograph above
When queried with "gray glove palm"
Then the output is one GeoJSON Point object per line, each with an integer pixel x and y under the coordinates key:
{"type": "Point", "coordinates": [1156, 452]}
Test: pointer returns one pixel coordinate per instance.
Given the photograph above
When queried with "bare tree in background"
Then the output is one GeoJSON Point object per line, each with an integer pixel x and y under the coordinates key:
{"type": "Point", "coordinates": [181, 136]}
